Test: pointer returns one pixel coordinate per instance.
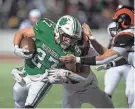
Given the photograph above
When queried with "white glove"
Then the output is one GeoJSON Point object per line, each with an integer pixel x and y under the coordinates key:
{"type": "Point", "coordinates": [16, 76]}
{"type": "Point", "coordinates": [59, 72]}
{"type": "Point", "coordinates": [53, 79]}
{"type": "Point", "coordinates": [58, 75]}
{"type": "Point", "coordinates": [21, 52]}
{"type": "Point", "coordinates": [101, 67]}
{"type": "Point", "coordinates": [63, 75]}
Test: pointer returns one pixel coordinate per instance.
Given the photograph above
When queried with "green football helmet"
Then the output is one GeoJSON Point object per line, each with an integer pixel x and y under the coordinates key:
{"type": "Point", "coordinates": [67, 31]}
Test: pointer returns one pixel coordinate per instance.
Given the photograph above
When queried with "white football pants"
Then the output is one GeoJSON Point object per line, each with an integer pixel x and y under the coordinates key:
{"type": "Point", "coordinates": [130, 87]}
{"type": "Point", "coordinates": [113, 76]}
{"type": "Point", "coordinates": [30, 94]}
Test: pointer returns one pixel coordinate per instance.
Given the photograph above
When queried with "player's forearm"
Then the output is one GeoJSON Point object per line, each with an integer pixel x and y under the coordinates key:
{"type": "Point", "coordinates": [98, 60]}
{"type": "Point", "coordinates": [98, 47]}
{"type": "Point", "coordinates": [18, 37]}
{"type": "Point", "coordinates": [26, 32]}
{"type": "Point", "coordinates": [76, 77]}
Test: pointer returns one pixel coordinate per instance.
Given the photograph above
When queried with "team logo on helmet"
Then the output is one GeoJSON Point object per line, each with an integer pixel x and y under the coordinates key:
{"type": "Point", "coordinates": [67, 31]}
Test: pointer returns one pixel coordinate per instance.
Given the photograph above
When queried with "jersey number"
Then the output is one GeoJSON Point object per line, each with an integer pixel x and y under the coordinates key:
{"type": "Point", "coordinates": [41, 57]}
{"type": "Point", "coordinates": [48, 22]}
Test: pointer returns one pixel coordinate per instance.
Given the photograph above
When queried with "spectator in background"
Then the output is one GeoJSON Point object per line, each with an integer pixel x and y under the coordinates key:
{"type": "Point", "coordinates": [5, 6]}
{"type": "Point", "coordinates": [34, 16]}
{"type": "Point", "coordinates": [17, 13]}
{"type": "Point", "coordinates": [91, 12]}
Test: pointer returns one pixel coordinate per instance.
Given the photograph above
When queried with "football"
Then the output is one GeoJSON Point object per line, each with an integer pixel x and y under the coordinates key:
{"type": "Point", "coordinates": [28, 44]}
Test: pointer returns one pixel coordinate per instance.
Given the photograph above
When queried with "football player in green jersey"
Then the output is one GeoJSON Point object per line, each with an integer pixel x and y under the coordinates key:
{"type": "Point", "coordinates": [52, 41]}
{"type": "Point", "coordinates": [76, 92]}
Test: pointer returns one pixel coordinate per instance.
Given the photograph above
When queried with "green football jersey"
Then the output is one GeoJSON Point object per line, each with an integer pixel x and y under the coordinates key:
{"type": "Point", "coordinates": [47, 50]}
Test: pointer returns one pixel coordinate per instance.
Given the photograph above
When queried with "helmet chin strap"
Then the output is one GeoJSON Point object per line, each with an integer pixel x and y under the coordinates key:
{"type": "Point", "coordinates": [63, 46]}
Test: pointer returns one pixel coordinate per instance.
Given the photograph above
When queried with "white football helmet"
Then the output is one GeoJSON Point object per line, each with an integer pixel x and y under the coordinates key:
{"type": "Point", "coordinates": [111, 29]}
{"type": "Point", "coordinates": [67, 31]}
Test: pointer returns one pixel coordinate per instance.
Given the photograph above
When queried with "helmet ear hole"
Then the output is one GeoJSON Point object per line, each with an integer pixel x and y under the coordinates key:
{"type": "Point", "coordinates": [127, 22]}
{"type": "Point", "coordinates": [124, 25]}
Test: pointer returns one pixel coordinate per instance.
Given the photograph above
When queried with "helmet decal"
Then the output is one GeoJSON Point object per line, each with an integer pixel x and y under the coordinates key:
{"type": "Point", "coordinates": [76, 26]}
{"type": "Point", "coordinates": [68, 26]}
{"type": "Point", "coordinates": [63, 21]}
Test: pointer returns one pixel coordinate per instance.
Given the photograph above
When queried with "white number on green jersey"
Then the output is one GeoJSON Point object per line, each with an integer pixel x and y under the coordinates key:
{"type": "Point", "coordinates": [48, 22]}
{"type": "Point", "coordinates": [37, 60]}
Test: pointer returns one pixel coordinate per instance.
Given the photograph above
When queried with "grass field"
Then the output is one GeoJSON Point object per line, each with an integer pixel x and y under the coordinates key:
{"type": "Point", "coordinates": [53, 98]}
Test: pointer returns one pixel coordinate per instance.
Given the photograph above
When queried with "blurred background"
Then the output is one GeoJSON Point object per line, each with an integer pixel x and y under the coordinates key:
{"type": "Point", "coordinates": [97, 13]}
{"type": "Point", "coordinates": [17, 14]}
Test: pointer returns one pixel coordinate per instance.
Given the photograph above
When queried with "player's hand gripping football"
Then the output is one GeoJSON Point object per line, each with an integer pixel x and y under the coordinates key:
{"type": "Point", "coordinates": [21, 52]}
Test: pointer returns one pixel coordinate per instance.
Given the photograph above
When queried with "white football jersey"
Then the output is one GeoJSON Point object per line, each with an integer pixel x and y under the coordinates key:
{"type": "Point", "coordinates": [124, 42]}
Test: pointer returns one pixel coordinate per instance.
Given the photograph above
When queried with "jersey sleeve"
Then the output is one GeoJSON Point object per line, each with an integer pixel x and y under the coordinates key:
{"type": "Point", "coordinates": [43, 26]}
{"type": "Point", "coordinates": [123, 42]}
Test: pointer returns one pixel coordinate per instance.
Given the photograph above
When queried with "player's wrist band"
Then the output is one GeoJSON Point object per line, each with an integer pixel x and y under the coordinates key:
{"type": "Point", "coordinates": [78, 60]}
{"type": "Point", "coordinates": [112, 64]}
{"type": "Point", "coordinates": [88, 60]}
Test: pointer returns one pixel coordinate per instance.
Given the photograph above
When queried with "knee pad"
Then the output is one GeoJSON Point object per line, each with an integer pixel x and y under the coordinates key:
{"type": "Point", "coordinates": [29, 106]}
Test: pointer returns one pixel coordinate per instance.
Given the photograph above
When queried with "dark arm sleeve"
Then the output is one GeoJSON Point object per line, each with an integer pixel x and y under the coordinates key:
{"type": "Point", "coordinates": [124, 40]}
{"type": "Point", "coordinates": [88, 60]}
{"type": "Point", "coordinates": [120, 62]}
{"type": "Point", "coordinates": [116, 63]}
{"type": "Point", "coordinates": [97, 46]}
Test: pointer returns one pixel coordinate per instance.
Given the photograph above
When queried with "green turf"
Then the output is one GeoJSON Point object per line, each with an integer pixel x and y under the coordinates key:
{"type": "Point", "coordinates": [53, 98]}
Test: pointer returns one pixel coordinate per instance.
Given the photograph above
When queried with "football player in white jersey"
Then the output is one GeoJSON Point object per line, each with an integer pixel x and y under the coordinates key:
{"type": "Point", "coordinates": [123, 42]}
{"type": "Point", "coordinates": [113, 74]}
